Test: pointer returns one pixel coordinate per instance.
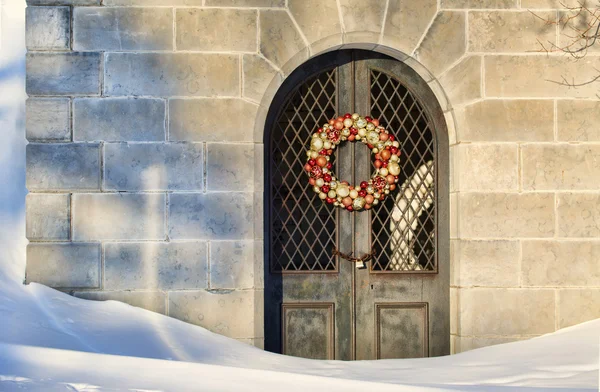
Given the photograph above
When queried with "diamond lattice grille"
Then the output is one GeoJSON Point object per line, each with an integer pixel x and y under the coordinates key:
{"type": "Point", "coordinates": [403, 228]}
{"type": "Point", "coordinates": [303, 228]}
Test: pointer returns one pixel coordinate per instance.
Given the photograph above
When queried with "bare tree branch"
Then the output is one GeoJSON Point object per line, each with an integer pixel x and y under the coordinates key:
{"type": "Point", "coordinates": [580, 25]}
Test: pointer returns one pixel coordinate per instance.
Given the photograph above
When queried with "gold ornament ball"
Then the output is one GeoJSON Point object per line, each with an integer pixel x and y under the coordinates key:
{"type": "Point", "coordinates": [358, 203]}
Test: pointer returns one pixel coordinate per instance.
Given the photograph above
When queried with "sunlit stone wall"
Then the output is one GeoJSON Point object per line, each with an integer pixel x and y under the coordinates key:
{"type": "Point", "coordinates": [145, 122]}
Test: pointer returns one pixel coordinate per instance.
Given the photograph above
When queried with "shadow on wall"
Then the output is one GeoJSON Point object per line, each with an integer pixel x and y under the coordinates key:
{"type": "Point", "coordinates": [12, 169]}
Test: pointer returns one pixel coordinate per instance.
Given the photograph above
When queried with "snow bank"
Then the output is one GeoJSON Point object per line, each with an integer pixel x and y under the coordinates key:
{"type": "Point", "coordinates": [50, 341]}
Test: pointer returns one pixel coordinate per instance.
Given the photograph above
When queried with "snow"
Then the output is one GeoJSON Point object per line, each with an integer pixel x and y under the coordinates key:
{"type": "Point", "coordinates": [50, 341]}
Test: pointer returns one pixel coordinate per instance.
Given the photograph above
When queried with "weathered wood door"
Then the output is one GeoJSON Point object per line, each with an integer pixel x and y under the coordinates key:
{"type": "Point", "coordinates": [318, 305]}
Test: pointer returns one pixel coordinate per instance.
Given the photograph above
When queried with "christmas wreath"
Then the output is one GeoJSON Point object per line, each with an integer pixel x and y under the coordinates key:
{"type": "Point", "coordinates": [353, 127]}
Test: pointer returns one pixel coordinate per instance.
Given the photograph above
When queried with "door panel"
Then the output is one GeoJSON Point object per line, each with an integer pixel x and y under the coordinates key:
{"type": "Point", "coordinates": [401, 330]}
{"type": "Point", "coordinates": [321, 306]}
{"type": "Point", "coordinates": [308, 330]}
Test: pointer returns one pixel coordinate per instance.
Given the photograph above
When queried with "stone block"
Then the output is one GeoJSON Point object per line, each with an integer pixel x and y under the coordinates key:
{"type": "Point", "coordinates": [226, 312]}
{"type": "Point", "coordinates": [151, 3]}
{"type": "Point", "coordinates": [232, 264]}
{"type": "Point", "coordinates": [577, 306]}
{"type": "Point", "coordinates": [72, 73]}
{"type": "Point", "coordinates": [211, 120]}
{"type": "Point", "coordinates": [63, 2]}
{"type": "Point", "coordinates": [48, 217]}
{"type": "Point", "coordinates": [500, 31]}
{"type": "Point", "coordinates": [64, 265]}
{"type": "Point", "coordinates": [48, 28]}
{"type": "Point", "coordinates": [118, 216]}
{"type": "Point", "coordinates": [506, 215]}
{"type": "Point", "coordinates": [155, 265]}
{"type": "Point", "coordinates": [578, 121]}
{"type": "Point", "coordinates": [118, 119]}
{"type": "Point", "coordinates": [457, 4]}
{"type": "Point", "coordinates": [70, 166]}
{"type": "Point", "coordinates": [240, 34]}
{"type": "Point", "coordinates": [362, 15]}
{"type": "Point", "coordinates": [48, 119]}
{"type": "Point", "coordinates": [406, 22]}
{"type": "Point", "coordinates": [149, 300]}
{"type": "Point", "coordinates": [172, 74]}
{"type": "Point", "coordinates": [468, 343]}
{"type": "Point", "coordinates": [304, 12]}
{"type": "Point", "coordinates": [444, 43]}
{"type": "Point", "coordinates": [487, 167]}
{"type": "Point", "coordinates": [230, 167]}
{"type": "Point", "coordinates": [495, 311]}
{"type": "Point", "coordinates": [103, 28]}
{"type": "Point", "coordinates": [578, 215]}
{"type": "Point", "coordinates": [259, 264]}
{"type": "Point", "coordinates": [280, 41]}
{"type": "Point", "coordinates": [462, 83]}
{"type": "Point", "coordinates": [223, 215]}
{"type": "Point", "coordinates": [246, 3]}
{"type": "Point", "coordinates": [561, 263]}
{"type": "Point", "coordinates": [560, 167]}
{"type": "Point", "coordinates": [261, 80]}
{"type": "Point", "coordinates": [508, 120]}
{"type": "Point", "coordinates": [487, 263]}
{"type": "Point", "coordinates": [533, 76]}
{"type": "Point", "coordinates": [557, 4]}
{"type": "Point", "coordinates": [153, 166]}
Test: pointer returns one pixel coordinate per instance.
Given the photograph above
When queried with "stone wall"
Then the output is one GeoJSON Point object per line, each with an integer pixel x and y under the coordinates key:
{"type": "Point", "coordinates": [145, 120]}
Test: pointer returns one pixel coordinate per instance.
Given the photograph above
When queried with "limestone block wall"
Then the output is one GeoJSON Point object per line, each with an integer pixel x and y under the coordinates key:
{"type": "Point", "coordinates": [145, 123]}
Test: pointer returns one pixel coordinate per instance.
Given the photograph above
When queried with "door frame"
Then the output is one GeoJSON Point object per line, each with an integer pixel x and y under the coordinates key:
{"type": "Point", "coordinates": [431, 106]}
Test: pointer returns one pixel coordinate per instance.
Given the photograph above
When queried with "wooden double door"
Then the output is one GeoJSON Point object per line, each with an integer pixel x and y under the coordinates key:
{"type": "Point", "coordinates": [318, 304]}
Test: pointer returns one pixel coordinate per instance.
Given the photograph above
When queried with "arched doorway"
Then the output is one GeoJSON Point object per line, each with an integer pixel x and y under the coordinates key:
{"type": "Point", "coordinates": [318, 305]}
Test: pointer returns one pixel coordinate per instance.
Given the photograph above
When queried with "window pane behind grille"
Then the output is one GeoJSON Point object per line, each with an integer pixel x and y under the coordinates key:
{"type": "Point", "coordinates": [303, 227]}
{"type": "Point", "coordinates": [403, 227]}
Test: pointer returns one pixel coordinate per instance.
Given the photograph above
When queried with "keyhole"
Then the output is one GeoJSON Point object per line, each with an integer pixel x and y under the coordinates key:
{"type": "Point", "coordinates": [371, 287]}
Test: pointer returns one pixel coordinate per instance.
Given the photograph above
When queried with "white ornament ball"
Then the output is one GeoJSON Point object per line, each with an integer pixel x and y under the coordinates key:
{"type": "Point", "coordinates": [316, 189]}
{"type": "Point", "coordinates": [355, 116]}
{"type": "Point", "coordinates": [394, 168]}
{"type": "Point", "coordinates": [342, 190]}
{"type": "Point", "coordinates": [362, 132]}
{"type": "Point", "coordinates": [383, 171]}
{"type": "Point", "coordinates": [320, 182]}
{"type": "Point", "coordinates": [322, 196]}
{"type": "Point", "coordinates": [348, 122]}
{"type": "Point", "coordinates": [314, 154]}
{"type": "Point", "coordinates": [353, 194]}
{"type": "Point", "coordinates": [331, 194]}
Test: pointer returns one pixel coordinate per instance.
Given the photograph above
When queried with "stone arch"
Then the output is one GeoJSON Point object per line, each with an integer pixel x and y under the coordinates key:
{"type": "Point", "coordinates": [438, 36]}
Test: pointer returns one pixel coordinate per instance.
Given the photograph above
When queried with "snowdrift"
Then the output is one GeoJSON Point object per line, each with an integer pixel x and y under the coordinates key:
{"type": "Point", "coordinates": [50, 341]}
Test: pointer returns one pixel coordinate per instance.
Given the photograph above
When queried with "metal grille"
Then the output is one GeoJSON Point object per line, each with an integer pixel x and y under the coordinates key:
{"type": "Point", "coordinates": [303, 228]}
{"type": "Point", "coordinates": [403, 228]}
